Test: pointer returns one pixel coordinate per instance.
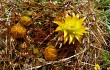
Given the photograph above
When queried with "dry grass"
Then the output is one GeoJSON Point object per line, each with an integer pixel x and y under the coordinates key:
{"type": "Point", "coordinates": [18, 53]}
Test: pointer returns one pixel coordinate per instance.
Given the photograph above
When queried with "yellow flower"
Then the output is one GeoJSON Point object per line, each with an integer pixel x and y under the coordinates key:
{"type": "Point", "coordinates": [50, 53]}
{"type": "Point", "coordinates": [72, 27]}
{"type": "Point", "coordinates": [97, 67]}
{"type": "Point", "coordinates": [18, 31]}
{"type": "Point", "coordinates": [25, 20]}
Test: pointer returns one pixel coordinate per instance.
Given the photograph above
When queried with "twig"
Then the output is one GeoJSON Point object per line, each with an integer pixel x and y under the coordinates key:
{"type": "Point", "coordinates": [101, 32]}
{"type": "Point", "coordinates": [46, 38]}
{"type": "Point", "coordinates": [87, 63]}
{"type": "Point", "coordinates": [100, 49]}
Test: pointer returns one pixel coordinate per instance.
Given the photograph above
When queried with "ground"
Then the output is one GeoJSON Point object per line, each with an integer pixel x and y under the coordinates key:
{"type": "Point", "coordinates": [29, 38]}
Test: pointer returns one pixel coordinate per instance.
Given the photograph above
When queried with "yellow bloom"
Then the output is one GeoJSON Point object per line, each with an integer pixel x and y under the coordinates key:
{"type": "Point", "coordinates": [50, 53]}
{"type": "Point", "coordinates": [18, 31]}
{"type": "Point", "coordinates": [25, 20]}
{"type": "Point", "coordinates": [97, 67]}
{"type": "Point", "coordinates": [72, 27]}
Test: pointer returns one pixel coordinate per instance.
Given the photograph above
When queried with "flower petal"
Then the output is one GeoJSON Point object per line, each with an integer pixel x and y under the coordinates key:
{"type": "Point", "coordinates": [65, 39]}
{"type": "Point", "coordinates": [71, 36]}
{"type": "Point", "coordinates": [68, 18]}
{"type": "Point", "coordinates": [79, 37]}
{"type": "Point", "coordinates": [65, 33]}
{"type": "Point", "coordinates": [77, 16]}
{"type": "Point", "coordinates": [58, 28]}
{"type": "Point", "coordinates": [80, 21]}
{"type": "Point", "coordinates": [73, 15]}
